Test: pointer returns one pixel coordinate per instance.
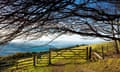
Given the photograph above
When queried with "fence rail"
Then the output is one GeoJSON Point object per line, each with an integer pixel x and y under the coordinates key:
{"type": "Point", "coordinates": [50, 56]}
{"type": "Point", "coordinates": [54, 54]}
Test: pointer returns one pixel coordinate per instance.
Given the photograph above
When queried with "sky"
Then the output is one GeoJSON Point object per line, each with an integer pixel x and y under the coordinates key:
{"type": "Point", "coordinates": [20, 45]}
{"type": "Point", "coordinates": [64, 38]}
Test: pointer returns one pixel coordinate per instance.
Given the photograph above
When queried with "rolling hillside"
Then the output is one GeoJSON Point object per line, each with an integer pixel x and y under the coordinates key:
{"type": "Point", "coordinates": [109, 64]}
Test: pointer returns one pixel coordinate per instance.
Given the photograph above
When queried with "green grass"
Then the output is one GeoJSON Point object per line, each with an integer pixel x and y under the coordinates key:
{"type": "Point", "coordinates": [73, 65]}
{"type": "Point", "coordinates": [109, 65]}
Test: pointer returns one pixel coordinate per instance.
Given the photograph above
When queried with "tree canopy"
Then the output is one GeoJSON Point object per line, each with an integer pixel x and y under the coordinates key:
{"type": "Point", "coordinates": [24, 18]}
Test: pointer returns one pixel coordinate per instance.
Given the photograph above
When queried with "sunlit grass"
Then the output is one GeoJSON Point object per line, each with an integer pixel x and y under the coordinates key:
{"type": "Point", "coordinates": [73, 64]}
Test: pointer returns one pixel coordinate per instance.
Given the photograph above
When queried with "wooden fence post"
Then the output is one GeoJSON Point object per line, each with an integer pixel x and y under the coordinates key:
{"type": "Point", "coordinates": [49, 63]}
{"type": "Point", "coordinates": [90, 51]}
{"type": "Point", "coordinates": [103, 53]}
{"type": "Point", "coordinates": [16, 65]}
{"type": "Point", "coordinates": [87, 54]}
{"type": "Point", "coordinates": [34, 59]}
{"type": "Point", "coordinates": [107, 48]}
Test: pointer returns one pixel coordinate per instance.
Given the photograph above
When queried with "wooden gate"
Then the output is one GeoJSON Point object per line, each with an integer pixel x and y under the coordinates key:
{"type": "Point", "coordinates": [64, 55]}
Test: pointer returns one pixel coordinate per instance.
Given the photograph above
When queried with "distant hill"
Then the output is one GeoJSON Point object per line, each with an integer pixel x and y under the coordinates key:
{"type": "Point", "coordinates": [37, 46]}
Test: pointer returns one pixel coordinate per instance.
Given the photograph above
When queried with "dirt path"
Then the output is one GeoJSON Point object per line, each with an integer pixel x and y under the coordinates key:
{"type": "Point", "coordinates": [59, 67]}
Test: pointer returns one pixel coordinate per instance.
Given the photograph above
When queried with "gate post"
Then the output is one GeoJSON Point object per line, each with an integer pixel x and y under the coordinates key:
{"type": "Point", "coordinates": [16, 65]}
{"type": "Point", "coordinates": [34, 59]}
{"type": "Point", "coordinates": [87, 54]}
{"type": "Point", "coordinates": [90, 51]}
{"type": "Point", "coordinates": [49, 63]}
{"type": "Point", "coordinates": [103, 56]}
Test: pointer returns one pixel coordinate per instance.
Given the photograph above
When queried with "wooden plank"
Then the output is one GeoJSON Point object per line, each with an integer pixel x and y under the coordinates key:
{"type": "Point", "coordinates": [96, 54]}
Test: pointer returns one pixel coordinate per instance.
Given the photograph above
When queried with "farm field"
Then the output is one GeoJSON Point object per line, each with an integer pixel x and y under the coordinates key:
{"type": "Point", "coordinates": [111, 63]}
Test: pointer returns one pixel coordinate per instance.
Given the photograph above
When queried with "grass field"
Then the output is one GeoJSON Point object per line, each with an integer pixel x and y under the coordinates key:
{"type": "Point", "coordinates": [109, 65]}
{"type": "Point", "coordinates": [70, 65]}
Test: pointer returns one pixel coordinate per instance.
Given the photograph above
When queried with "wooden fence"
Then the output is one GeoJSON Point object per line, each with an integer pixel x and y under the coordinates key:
{"type": "Point", "coordinates": [53, 55]}
{"type": "Point", "coordinates": [106, 50]}
{"type": "Point", "coordinates": [50, 57]}
{"type": "Point", "coordinates": [57, 54]}
{"type": "Point", "coordinates": [19, 66]}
